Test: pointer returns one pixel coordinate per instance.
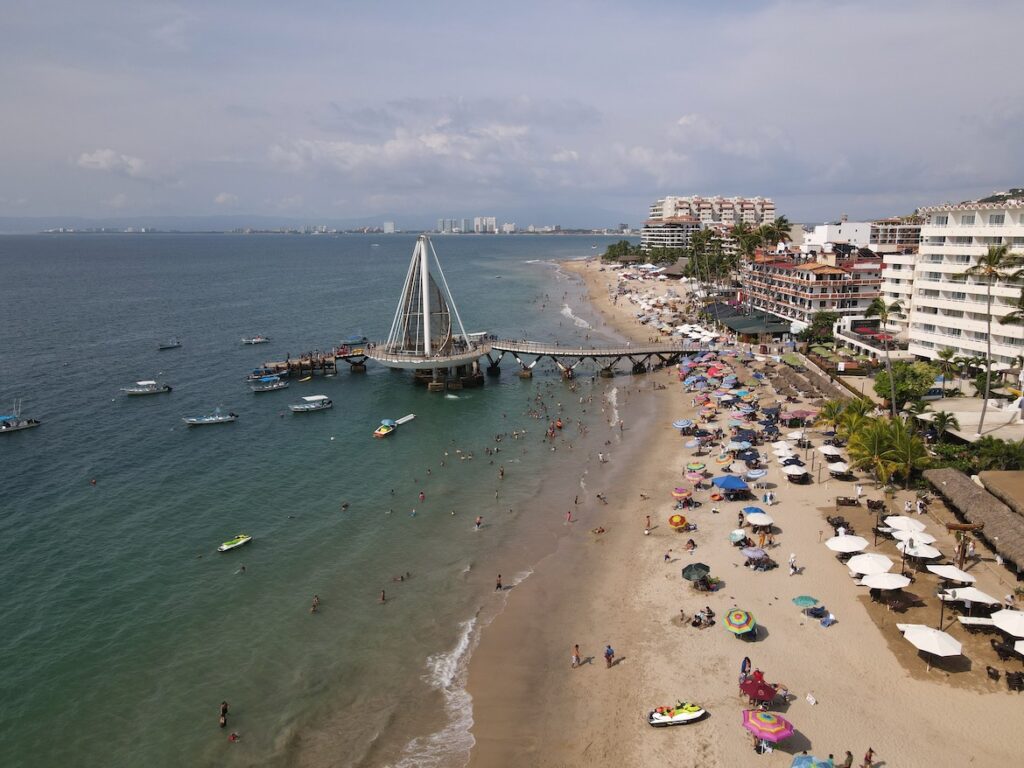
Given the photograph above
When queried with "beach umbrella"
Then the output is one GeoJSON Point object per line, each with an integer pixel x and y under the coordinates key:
{"type": "Point", "coordinates": [740, 392]}
{"type": "Point", "coordinates": [694, 477]}
{"type": "Point", "coordinates": [911, 548]}
{"type": "Point", "coordinates": [695, 466]}
{"type": "Point", "coordinates": [869, 563]}
{"type": "Point", "coordinates": [752, 510]}
{"type": "Point", "coordinates": [767, 725]}
{"type": "Point", "coordinates": [737, 535]}
{"type": "Point", "coordinates": [1019, 647]}
{"type": "Point", "coordinates": [839, 468]}
{"type": "Point", "coordinates": [738, 622]}
{"type": "Point", "coordinates": [736, 423]}
{"type": "Point", "coordinates": [919, 537]}
{"type": "Point", "coordinates": [756, 474]}
{"type": "Point", "coordinates": [794, 471]}
{"type": "Point", "coordinates": [729, 483]}
{"type": "Point", "coordinates": [723, 458]}
{"type": "Point", "coordinates": [931, 640]}
{"type": "Point", "coordinates": [760, 518]}
{"type": "Point", "coordinates": [695, 571]}
{"type": "Point", "coordinates": [681, 493]}
{"type": "Point", "coordinates": [973, 594]}
{"type": "Point", "coordinates": [725, 398]}
{"type": "Point", "coordinates": [795, 436]}
{"type": "Point", "coordinates": [829, 450]}
{"type": "Point", "coordinates": [692, 444]}
{"type": "Point", "coordinates": [810, 761]}
{"type": "Point", "coordinates": [702, 398]}
{"type": "Point", "coordinates": [952, 573]}
{"type": "Point", "coordinates": [904, 523]}
{"type": "Point", "coordinates": [1011, 622]}
{"type": "Point", "coordinates": [752, 553]}
{"type": "Point", "coordinates": [682, 424]}
{"type": "Point", "coordinates": [846, 543]}
{"type": "Point", "coordinates": [738, 467]}
{"type": "Point", "coordinates": [737, 445]}
{"type": "Point", "coordinates": [805, 601]}
{"type": "Point", "coordinates": [885, 581]}
{"type": "Point", "coordinates": [677, 521]}
{"type": "Point", "coordinates": [758, 690]}
{"type": "Point", "coordinates": [782, 444]}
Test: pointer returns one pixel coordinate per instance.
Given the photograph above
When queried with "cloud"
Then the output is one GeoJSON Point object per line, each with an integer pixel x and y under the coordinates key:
{"type": "Point", "coordinates": [225, 198]}
{"type": "Point", "coordinates": [113, 162]}
{"type": "Point", "coordinates": [118, 201]}
{"type": "Point", "coordinates": [565, 156]}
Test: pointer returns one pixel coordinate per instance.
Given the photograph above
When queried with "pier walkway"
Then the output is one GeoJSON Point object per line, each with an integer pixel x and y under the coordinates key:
{"type": "Point", "coordinates": [567, 358]}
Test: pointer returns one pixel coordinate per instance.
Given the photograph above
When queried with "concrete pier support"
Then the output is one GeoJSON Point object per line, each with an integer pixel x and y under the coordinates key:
{"type": "Point", "coordinates": [526, 373]}
{"type": "Point", "coordinates": [494, 370]}
{"type": "Point", "coordinates": [606, 373]}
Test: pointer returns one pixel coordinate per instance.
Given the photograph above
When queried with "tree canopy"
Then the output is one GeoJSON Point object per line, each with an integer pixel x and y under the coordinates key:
{"type": "Point", "coordinates": [909, 382]}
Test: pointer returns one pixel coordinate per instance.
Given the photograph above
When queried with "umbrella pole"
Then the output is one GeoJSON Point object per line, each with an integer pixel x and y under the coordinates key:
{"type": "Point", "coordinates": [942, 603]}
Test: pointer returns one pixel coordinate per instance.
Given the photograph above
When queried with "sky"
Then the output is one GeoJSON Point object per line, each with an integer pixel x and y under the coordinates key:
{"type": "Point", "coordinates": [578, 113]}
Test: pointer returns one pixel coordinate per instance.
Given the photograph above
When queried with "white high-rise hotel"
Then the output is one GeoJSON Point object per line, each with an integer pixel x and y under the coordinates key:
{"type": "Point", "coordinates": [948, 309]}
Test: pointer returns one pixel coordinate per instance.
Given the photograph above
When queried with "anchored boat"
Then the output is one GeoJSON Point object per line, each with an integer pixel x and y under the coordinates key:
{"type": "Point", "coordinates": [387, 426]}
{"type": "Point", "coordinates": [235, 543]}
{"type": "Point", "coordinates": [257, 339]}
{"type": "Point", "coordinates": [311, 403]}
{"type": "Point", "coordinates": [214, 418]}
{"type": "Point", "coordinates": [169, 344]}
{"type": "Point", "coordinates": [269, 384]}
{"type": "Point", "coordinates": [146, 388]}
{"type": "Point", "coordinates": [13, 422]}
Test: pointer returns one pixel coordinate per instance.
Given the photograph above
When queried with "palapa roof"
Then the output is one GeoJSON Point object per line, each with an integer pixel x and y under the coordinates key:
{"type": "Point", "coordinates": [1004, 528]}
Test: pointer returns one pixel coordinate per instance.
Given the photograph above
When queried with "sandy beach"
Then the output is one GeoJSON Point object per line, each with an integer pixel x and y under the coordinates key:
{"type": "Point", "coordinates": [871, 687]}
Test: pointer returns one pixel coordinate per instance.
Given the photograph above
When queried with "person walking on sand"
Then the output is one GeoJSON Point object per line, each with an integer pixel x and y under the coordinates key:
{"type": "Point", "coordinates": [576, 656]}
{"type": "Point", "coordinates": [498, 587]}
{"type": "Point", "coordinates": [869, 758]}
{"type": "Point", "coordinates": [647, 524]}
{"type": "Point", "coordinates": [568, 516]}
{"type": "Point", "coordinates": [792, 563]}
{"type": "Point", "coordinates": [859, 489]}
{"type": "Point", "coordinates": [609, 656]}
{"type": "Point", "coordinates": [848, 761]}
{"type": "Point", "coordinates": [668, 555]}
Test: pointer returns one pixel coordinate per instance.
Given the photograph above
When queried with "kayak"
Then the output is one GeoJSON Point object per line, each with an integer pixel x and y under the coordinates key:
{"type": "Point", "coordinates": [681, 714]}
{"type": "Point", "coordinates": [239, 540]}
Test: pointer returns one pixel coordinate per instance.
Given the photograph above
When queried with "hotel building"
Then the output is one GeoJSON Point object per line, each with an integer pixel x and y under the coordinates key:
{"type": "Point", "coordinates": [949, 309]}
{"type": "Point", "coordinates": [672, 220]}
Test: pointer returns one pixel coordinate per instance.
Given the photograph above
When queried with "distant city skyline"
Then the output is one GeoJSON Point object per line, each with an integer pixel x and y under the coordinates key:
{"type": "Point", "coordinates": [345, 112]}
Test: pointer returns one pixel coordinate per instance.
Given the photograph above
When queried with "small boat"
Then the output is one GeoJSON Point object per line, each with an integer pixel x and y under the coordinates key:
{"type": "Point", "coordinates": [257, 339]}
{"type": "Point", "coordinates": [269, 384]}
{"type": "Point", "coordinates": [262, 373]}
{"type": "Point", "coordinates": [13, 422]}
{"type": "Point", "coordinates": [169, 344]}
{"type": "Point", "coordinates": [305, 378]}
{"type": "Point", "coordinates": [235, 543]}
{"type": "Point", "coordinates": [311, 403]}
{"type": "Point", "coordinates": [214, 418]}
{"type": "Point", "coordinates": [387, 426]}
{"type": "Point", "coordinates": [682, 713]}
{"type": "Point", "coordinates": [146, 388]}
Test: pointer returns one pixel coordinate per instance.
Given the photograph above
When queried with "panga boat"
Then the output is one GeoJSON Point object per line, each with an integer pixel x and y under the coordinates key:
{"type": "Point", "coordinates": [261, 373]}
{"type": "Point", "coordinates": [681, 714]}
{"type": "Point", "coordinates": [170, 344]}
{"type": "Point", "coordinates": [146, 388]}
{"type": "Point", "coordinates": [12, 422]}
{"type": "Point", "coordinates": [214, 418]}
{"type": "Point", "coordinates": [235, 543]}
{"type": "Point", "coordinates": [269, 384]}
{"type": "Point", "coordinates": [387, 426]}
{"type": "Point", "coordinates": [311, 403]}
{"type": "Point", "coordinates": [257, 339]}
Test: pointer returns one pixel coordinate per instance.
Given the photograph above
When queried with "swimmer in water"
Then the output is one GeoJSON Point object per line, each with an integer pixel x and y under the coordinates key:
{"type": "Point", "coordinates": [479, 521]}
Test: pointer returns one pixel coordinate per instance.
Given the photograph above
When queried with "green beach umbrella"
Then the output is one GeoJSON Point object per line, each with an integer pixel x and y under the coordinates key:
{"type": "Point", "coordinates": [805, 601]}
{"type": "Point", "coordinates": [695, 571]}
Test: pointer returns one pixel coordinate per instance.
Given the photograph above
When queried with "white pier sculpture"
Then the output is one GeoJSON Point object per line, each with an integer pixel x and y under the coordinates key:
{"type": "Point", "coordinates": [427, 334]}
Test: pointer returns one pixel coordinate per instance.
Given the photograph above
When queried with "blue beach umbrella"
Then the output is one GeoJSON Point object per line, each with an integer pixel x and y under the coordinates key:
{"type": "Point", "coordinates": [729, 483]}
{"type": "Point", "coordinates": [752, 510]}
{"type": "Point", "coordinates": [682, 423]}
{"type": "Point", "coordinates": [756, 474]}
{"type": "Point", "coordinates": [737, 535]}
{"type": "Point", "coordinates": [810, 761]}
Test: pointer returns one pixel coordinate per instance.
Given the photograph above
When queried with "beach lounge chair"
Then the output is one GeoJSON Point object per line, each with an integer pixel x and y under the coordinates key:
{"type": "Point", "coordinates": [1015, 681]}
{"type": "Point", "coordinates": [993, 673]}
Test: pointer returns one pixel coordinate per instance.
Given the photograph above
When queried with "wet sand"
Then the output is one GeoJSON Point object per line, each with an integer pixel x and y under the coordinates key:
{"type": "Point", "coordinates": [870, 687]}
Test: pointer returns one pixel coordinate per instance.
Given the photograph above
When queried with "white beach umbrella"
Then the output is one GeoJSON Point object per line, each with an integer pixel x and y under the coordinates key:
{"type": "Point", "coordinates": [933, 641]}
{"type": "Point", "coordinates": [760, 518]}
{"type": "Point", "coordinates": [1019, 647]}
{"type": "Point", "coordinates": [846, 543]}
{"type": "Point", "coordinates": [869, 563]}
{"type": "Point", "coordinates": [782, 444]}
{"type": "Point", "coordinates": [912, 549]}
{"type": "Point", "coordinates": [795, 436]}
{"type": "Point", "coordinates": [829, 450]}
{"type": "Point", "coordinates": [1011, 622]}
{"type": "Point", "coordinates": [904, 523]}
{"type": "Point", "coordinates": [885, 581]}
{"type": "Point", "coordinates": [783, 450]}
{"type": "Point", "coordinates": [973, 594]}
{"type": "Point", "coordinates": [919, 537]}
{"type": "Point", "coordinates": [952, 573]}
{"type": "Point", "coordinates": [794, 471]}
{"type": "Point", "coordinates": [839, 467]}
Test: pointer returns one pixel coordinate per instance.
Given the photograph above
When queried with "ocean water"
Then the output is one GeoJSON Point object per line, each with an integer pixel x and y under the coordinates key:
{"type": "Point", "coordinates": [121, 627]}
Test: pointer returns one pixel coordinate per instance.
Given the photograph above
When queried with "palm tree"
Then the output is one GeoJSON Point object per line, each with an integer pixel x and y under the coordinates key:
{"type": "Point", "coordinates": [831, 413]}
{"type": "Point", "coordinates": [946, 364]}
{"type": "Point", "coordinates": [851, 423]}
{"type": "Point", "coordinates": [870, 447]}
{"type": "Point", "coordinates": [943, 421]}
{"type": "Point", "coordinates": [884, 313]}
{"type": "Point", "coordinates": [915, 409]}
{"type": "Point", "coordinates": [906, 450]}
{"type": "Point", "coordinates": [994, 265]}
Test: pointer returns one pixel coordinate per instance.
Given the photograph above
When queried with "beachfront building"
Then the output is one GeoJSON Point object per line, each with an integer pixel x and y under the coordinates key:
{"type": "Point", "coordinates": [899, 234]}
{"type": "Point", "coordinates": [795, 286]}
{"type": "Point", "coordinates": [668, 232]}
{"type": "Point", "coordinates": [730, 211]}
{"type": "Point", "coordinates": [842, 232]}
{"type": "Point", "coordinates": [485, 225]}
{"type": "Point", "coordinates": [949, 309]}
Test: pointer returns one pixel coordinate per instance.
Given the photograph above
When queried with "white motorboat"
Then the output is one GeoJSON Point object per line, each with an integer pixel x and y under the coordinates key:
{"type": "Point", "coordinates": [257, 339]}
{"type": "Point", "coordinates": [174, 343]}
{"type": "Point", "coordinates": [269, 384]}
{"type": "Point", "coordinates": [214, 418]}
{"type": "Point", "coordinates": [13, 421]}
{"type": "Point", "coordinates": [146, 388]}
{"type": "Point", "coordinates": [311, 403]}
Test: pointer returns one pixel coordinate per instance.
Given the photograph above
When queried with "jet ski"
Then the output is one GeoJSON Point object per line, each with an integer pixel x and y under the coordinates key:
{"type": "Point", "coordinates": [681, 714]}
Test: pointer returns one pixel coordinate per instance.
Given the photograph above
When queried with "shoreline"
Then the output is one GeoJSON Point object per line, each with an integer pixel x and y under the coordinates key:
{"type": "Point", "coordinates": [531, 708]}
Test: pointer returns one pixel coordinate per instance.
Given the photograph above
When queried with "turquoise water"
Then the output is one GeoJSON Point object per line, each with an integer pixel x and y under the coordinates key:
{"type": "Point", "coordinates": [123, 629]}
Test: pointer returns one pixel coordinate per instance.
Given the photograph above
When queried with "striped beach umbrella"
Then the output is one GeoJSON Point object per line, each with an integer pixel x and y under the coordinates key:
{"type": "Point", "coordinates": [681, 493]}
{"type": "Point", "coordinates": [677, 521]}
{"type": "Point", "coordinates": [767, 725]}
{"type": "Point", "coordinates": [695, 466]}
{"type": "Point", "coordinates": [694, 477]}
{"type": "Point", "coordinates": [723, 458]}
{"type": "Point", "coordinates": [738, 622]}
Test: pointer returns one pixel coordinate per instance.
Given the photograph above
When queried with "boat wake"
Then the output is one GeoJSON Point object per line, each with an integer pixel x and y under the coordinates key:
{"type": "Point", "coordinates": [579, 322]}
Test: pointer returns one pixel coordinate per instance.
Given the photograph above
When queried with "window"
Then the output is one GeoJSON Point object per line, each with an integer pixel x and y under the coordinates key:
{"type": "Point", "coordinates": [994, 219]}
{"type": "Point", "coordinates": [967, 220]}
{"type": "Point", "coordinates": [958, 295]}
{"type": "Point", "coordinates": [940, 221]}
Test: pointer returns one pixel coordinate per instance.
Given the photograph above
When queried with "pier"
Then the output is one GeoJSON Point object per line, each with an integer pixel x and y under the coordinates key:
{"type": "Point", "coordinates": [325, 363]}
{"type": "Point", "coordinates": [567, 359]}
